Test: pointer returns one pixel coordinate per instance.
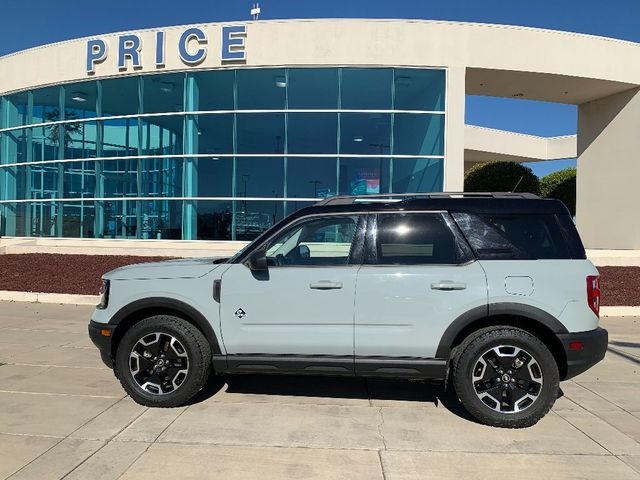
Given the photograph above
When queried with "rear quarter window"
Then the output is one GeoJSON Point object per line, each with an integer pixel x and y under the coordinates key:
{"type": "Point", "coordinates": [512, 236]}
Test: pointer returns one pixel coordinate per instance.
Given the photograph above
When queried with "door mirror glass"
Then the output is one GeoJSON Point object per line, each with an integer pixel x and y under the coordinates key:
{"type": "Point", "coordinates": [258, 261]}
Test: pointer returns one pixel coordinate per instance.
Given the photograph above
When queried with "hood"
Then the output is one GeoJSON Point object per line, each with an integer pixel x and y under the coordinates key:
{"type": "Point", "coordinates": [180, 268]}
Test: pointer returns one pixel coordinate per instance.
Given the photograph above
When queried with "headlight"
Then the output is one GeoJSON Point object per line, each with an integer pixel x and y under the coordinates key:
{"type": "Point", "coordinates": [104, 294]}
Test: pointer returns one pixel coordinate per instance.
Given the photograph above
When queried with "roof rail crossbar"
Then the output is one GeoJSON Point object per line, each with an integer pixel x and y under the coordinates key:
{"type": "Point", "coordinates": [398, 197]}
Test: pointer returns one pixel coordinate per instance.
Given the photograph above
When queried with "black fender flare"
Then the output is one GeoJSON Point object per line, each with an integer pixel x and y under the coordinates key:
{"type": "Point", "coordinates": [495, 309]}
{"type": "Point", "coordinates": [164, 303]}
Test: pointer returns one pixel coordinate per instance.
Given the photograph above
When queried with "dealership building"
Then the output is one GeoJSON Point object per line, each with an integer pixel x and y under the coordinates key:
{"type": "Point", "coordinates": [217, 131]}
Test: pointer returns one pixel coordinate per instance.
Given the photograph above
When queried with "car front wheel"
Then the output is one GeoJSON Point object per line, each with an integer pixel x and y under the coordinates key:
{"type": "Point", "coordinates": [163, 361]}
{"type": "Point", "coordinates": [506, 377]}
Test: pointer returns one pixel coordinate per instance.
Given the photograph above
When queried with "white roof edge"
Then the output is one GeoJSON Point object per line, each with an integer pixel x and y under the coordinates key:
{"type": "Point", "coordinates": [317, 20]}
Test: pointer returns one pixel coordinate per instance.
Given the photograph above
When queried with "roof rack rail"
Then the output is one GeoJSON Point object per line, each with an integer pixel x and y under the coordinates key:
{"type": "Point", "coordinates": [403, 197]}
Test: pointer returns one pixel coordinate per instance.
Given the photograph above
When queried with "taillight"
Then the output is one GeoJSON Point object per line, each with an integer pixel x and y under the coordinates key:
{"type": "Point", "coordinates": [593, 293]}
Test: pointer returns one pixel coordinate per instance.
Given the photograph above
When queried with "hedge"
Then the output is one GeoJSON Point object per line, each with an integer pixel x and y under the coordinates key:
{"type": "Point", "coordinates": [561, 185]}
{"type": "Point", "coordinates": [501, 177]}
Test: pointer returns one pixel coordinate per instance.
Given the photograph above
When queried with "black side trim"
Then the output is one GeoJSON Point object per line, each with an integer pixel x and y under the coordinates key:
{"type": "Point", "coordinates": [217, 288]}
{"type": "Point", "coordinates": [595, 346]}
{"type": "Point", "coordinates": [163, 303]}
{"type": "Point", "coordinates": [290, 364]}
{"type": "Point", "coordinates": [395, 367]}
{"type": "Point", "coordinates": [495, 309]}
{"type": "Point", "coordinates": [402, 367]}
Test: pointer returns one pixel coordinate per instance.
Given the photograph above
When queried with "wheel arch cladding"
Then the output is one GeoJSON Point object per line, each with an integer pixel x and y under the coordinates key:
{"type": "Point", "coordinates": [530, 319]}
{"type": "Point", "coordinates": [136, 311]}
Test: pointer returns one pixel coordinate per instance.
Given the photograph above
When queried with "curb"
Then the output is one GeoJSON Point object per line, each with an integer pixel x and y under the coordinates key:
{"type": "Point", "coordinates": [620, 311]}
{"type": "Point", "coordinates": [59, 298]}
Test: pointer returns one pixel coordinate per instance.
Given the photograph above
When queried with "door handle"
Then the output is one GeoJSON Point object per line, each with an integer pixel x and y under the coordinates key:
{"type": "Point", "coordinates": [448, 285]}
{"type": "Point", "coordinates": [325, 285]}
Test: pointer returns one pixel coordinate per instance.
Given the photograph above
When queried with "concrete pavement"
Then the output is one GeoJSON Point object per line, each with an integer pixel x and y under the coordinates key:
{"type": "Point", "coordinates": [64, 415]}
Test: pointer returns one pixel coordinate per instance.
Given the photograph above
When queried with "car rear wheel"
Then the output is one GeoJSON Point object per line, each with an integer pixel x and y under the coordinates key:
{"type": "Point", "coordinates": [506, 377]}
{"type": "Point", "coordinates": [163, 361]}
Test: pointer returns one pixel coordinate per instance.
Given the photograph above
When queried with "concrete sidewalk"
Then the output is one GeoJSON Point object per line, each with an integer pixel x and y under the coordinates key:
{"type": "Point", "coordinates": [64, 415]}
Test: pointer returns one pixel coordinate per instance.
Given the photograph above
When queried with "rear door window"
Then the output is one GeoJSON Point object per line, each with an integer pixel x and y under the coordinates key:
{"type": "Point", "coordinates": [415, 239]}
{"type": "Point", "coordinates": [500, 236]}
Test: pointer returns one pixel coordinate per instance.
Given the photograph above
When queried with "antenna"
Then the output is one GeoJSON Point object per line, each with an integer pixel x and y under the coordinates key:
{"type": "Point", "coordinates": [514, 188]}
{"type": "Point", "coordinates": [255, 11]}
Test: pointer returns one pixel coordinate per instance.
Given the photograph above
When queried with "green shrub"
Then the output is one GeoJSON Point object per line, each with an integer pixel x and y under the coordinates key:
{"type": "Point", "coordinates": [501, 177]}
{"type": "Point", "coordinates": [561, 185]}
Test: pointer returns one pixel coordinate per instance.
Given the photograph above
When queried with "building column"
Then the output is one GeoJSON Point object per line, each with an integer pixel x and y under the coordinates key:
{"type": "Point", "coordinates": [454, 133]}
{"type": "Point", "coordinates": [608, 196]}
{"type": "Point", "coordinates": [190, 165]}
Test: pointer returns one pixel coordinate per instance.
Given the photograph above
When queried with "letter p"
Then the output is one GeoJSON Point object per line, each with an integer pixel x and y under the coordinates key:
{"type": "Point", "coordinates": [96, 53]}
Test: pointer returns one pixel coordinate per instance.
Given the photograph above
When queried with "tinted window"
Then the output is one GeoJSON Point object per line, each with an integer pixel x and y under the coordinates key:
{"type": "Point", "coordinates": [513, 236]}
{"type": "Point", "coordinates": [317, 242]}
{"type": "Point", "coordinates": [415, 239]}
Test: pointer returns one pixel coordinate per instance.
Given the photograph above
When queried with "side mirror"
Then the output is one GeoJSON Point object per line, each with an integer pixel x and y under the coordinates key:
{"type": "Point", "coordinates": [258, 261]}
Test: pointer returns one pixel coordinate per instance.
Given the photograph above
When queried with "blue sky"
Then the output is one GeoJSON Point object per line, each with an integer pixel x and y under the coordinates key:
{"type": "Point", "coordinates": [28, 23]}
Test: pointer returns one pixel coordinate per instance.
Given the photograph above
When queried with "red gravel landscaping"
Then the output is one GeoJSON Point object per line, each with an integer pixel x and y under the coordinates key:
{"type": "Point", "coordinates": [55, 273]}
{"type": "Point", "coordinates": [80, 274]}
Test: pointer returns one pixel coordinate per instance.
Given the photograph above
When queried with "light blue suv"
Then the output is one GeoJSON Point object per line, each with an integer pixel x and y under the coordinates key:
{"type": "Point", "coordinates": [491, 292]}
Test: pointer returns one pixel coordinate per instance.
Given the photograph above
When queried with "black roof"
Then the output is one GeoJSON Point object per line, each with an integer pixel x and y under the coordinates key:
{"type": "Point", "coordinates": [490, 203]}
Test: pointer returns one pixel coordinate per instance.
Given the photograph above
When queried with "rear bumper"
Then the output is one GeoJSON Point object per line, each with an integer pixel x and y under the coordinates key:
{"type": "Point", "coordinates": [594, 346]}
{"type": "Point", "coordinates": [103, 342]}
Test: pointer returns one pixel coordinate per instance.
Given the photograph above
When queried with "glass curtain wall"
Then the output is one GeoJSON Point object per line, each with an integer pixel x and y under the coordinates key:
{"type": "Point", "coordinates": [215, 155]}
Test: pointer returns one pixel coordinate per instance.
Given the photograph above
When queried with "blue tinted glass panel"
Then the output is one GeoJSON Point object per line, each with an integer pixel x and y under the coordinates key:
{"type": "Point", "coordinates": [311, 177]}
{"type": "Point", "coordinates": [215, 177]}
{"type": "Point", "coordinates": [215, 133]}
{"type": "Point", "coordinates": [45, 142]}
{"type": "Point", "coordinates": [120, 137]}
{"type": "Point", "coordinates": [254, 217]}
{"type": "Point", "coordinates": [419, 89]}
{"type": "Point", "coordinates": [155, 219]}
{"type": "Point", "coordinates": [80, 139]}
{"type": "Point", "coordinates": [120, 97]}
{"type": "Point", "coordinates": [80, 100]}
{"type": "Point", "coordinates": [366, 88]}
{"type": "Point", "coordinates": [163, 93]}
{"type": "Point", "coordinates": [215, 89]}
{"type": "Point", "coordinates": [15, 146]}
{"type": "Point", "coordinates": [260, 132]}
{"type": "Point", "coordinates": [365, 133]}
{"type": "Point", "coordinates": [313, 88]}
{"type": "Point", "coordinates": [214, 220]}
{"type": "Point", "coordinates": [418, 134]}
{"type": "Point", "coordinates": [417, 175]}
{"type": "Point", "coordinates": [46, 105]}
{"type": "Point", "coordinates": [162, 135]}
{"type": "Point", "coordinates": [16, 110]}
{"type": "Point", "coordinates": [261, 89]}
{"type": "Point", "coordinates": [361, 176]}
{"type": "Point", "coordinates": [312, 132]}
{"type": "Point", "coordinates": [259, 177]}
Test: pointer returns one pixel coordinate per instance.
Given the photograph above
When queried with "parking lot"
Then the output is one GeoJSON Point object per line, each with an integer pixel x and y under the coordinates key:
{"type": "Point", "coordinates": [64, 415]}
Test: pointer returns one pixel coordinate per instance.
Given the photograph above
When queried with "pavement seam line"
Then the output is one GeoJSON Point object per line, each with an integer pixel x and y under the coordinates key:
{"type": "Point", "coordinates": [63, 439]}
{"type": "Point", "coordinates": [170, 423]}
{"type": "Point", "coordinates": [138, 457]}
{"type": "Point", "coordinates": [606, 400]}
{"type": "Point", "coordinates": [55, 366]}
{"type": "Point", "coordinates": [585, 433]}
{"type": "Point", "coordinates": [62, 394]}
{"type": "Point", "coordinates": [595, 414]}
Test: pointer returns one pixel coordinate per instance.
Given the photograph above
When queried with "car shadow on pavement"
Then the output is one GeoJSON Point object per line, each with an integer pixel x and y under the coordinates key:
{"type": "Point", "coordinates": [379, 392]}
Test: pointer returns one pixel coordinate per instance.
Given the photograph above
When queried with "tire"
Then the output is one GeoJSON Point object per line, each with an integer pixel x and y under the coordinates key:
{"type": "Point", "coordinates": [493, 395]}
{"type": "Point", "coordinates": [163, 361]}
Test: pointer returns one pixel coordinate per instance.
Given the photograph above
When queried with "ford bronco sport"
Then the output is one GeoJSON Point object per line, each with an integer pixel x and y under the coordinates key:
{"type": "Point", "coordinates": [491, 292]}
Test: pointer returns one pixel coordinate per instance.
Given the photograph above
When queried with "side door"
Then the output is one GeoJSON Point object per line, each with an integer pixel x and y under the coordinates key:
{"type": "Point", "coordinates": [301, 307]}
{"type": "Point", "coordinates": [419, 276]}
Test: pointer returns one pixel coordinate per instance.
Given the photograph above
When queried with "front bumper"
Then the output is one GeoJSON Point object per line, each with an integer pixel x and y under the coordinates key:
{"type": "Point", "coordinates": [102, 340]}
{"type": "Point", "coordinates": [594, 346]}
